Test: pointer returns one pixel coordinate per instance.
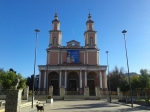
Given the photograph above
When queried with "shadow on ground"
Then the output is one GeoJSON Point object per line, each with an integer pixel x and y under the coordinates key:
{"type": "Point", "coordinates": [114, 106]}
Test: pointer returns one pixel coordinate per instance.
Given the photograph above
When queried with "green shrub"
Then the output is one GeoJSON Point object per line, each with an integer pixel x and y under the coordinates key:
{"type": "Point", "coordinates": [49, 97]}
{"type": "Point", "coordinates": [30, 93]}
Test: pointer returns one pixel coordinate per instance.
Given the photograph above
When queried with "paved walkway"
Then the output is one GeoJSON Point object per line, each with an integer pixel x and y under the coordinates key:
{"type": "Point", "coordinates": [88, 106]}
{"type": "Point", "coordinates": [24, 103]}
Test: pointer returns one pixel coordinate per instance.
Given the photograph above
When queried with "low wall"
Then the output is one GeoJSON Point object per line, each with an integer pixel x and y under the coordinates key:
{"type": "Point", "coordinates": [106, 96]}
{"type": "Point", "coordinates": [2, 97]}
{"type": "Point", "coordinates": [92, 98]}
{"type": "Point", "coordinates": [43, 97]}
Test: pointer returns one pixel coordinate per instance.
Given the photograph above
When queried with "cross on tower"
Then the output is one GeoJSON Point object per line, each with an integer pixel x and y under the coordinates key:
{"type": "Point", "coordinates": [89, 10]}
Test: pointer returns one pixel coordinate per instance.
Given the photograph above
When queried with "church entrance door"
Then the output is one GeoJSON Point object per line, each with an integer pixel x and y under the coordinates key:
{"type": "Point", "coordinates": [90, 84]}
{"type": "Point", "coordinates": [72, 85]}
{"type": "Point", "coordinates": [55, 84]}
{"type": "Point", "coordinates": [72, 81]}
{"type": "Point", "coordinates": [54, 81]}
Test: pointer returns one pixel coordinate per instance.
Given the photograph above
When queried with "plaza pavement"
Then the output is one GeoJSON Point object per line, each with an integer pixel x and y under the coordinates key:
{"type": "Point", "coordinates": [24, 103]}
{"type": "Point", "coordinates": [83, 106]}
{"type": "Point", "coordinates": [88, 106]}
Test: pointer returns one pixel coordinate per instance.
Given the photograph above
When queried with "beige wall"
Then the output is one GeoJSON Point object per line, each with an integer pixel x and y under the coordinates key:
{"type": "Point", "coordinates": [75, 46]}
{"type": "Point", "coordinates": [94, 73]}
{"type": "Point", "coordinates": [54, 35]}
{"type": "Point", "coordinates": [92, 58]}
{"type": "Point", "coordinates": [88, 35]}
{"type": "Point", "coordinates": [103, 79]}
{"type": "Point", "coordinates": [53, 58]}
{"type": "Point", "coordinates": [64, 57]}
{"type": "Point", "coordinates": [55, 26]}
{"type": "Point", "coordinates": [91, 35]}
{"type": "Point", "coordinates": [90, 26]}
{"type": "Point", "coordinates": [82, 57]}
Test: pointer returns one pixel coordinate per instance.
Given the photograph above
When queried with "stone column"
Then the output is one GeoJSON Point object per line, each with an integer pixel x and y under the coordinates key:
{"type": "Point", "coordinates": [86, 92]}
{"type": "Point", "coordinates": [62, 92]}
{"type": "Point", "coordinates": [39, 79]}
{"type": "Point", "coordinates": [58, 57]}
{"type": "Point", "coordinates": [65, 79]}
{"type": "Point", "coordinates": [45, 79]}
{"type": "Point", "coordinates": [81, 79]}
{"type": "Point", "coordinates": [51, 91]}
{"type": "Point", "coordinates": [85, 79]}
{"type": "Point", "coordinates": [13, 101]}
{"type": "Point", "coordinates": [84, 57]}
{"type": "Point", "coordinates": [60, 79]}
{"type": "Point", "coordinates": [105, 79]}
{"type": "Point", "coordinates": [97, 91]}
{"type": "Point", "coordinates": [100, 80]}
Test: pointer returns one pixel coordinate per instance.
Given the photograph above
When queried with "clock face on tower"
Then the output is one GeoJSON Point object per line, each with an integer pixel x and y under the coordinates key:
{"type": "Point", "coordinates": [73, 43]}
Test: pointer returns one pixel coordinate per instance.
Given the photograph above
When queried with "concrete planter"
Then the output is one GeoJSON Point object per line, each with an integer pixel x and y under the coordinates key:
{"type": "Point", "coordinates": [49, 100]}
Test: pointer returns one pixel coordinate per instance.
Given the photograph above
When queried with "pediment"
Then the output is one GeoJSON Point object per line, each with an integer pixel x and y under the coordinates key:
{"type": "Point", "coordinates": [73, 43]}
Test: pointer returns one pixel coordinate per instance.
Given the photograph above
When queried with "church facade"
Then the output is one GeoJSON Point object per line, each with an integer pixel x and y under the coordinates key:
{"type": "Point", "coordinates": [72, 66]}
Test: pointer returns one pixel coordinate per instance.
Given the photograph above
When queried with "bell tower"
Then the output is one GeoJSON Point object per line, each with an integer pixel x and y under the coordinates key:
{"type": "Point", "coordinates": [90, 35]}
{"type": "Point", "coordinates": [55, 33]}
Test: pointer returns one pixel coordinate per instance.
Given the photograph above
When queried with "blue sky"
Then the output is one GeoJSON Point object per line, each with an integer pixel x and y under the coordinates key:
{"type": "Point", "coordinates": [19, 19]}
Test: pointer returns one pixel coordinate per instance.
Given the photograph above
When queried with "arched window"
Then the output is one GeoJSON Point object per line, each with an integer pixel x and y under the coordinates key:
{"type": "Point", "coordinates": [54, 40]}
{"type": "Point", "coordinates": [91, 41]}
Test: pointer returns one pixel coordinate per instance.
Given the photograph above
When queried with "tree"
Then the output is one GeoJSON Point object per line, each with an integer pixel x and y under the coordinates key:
{"type": "Point", "coordinates": [7, 79]}
{"type": "Point", "coordinates": [12, 70]}
{"type": "Point", "coordinates": [124, 85]}
{"type": "Point", "coordinates": [135, 82]}
{"type": "Point", "coordinates": [30, 82]}
{"type": "Point", "coordinates": [144, 79]}
{"type": "Point", "coordinates": [116, 77]}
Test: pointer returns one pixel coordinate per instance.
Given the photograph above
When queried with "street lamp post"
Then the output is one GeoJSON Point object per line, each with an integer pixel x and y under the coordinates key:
{"type": "Point", "coordinates": [34, 65]}
{"type": "Point", "coordinates": [109, 77]}
{"type": "Point", "coordinates": [124, 32]}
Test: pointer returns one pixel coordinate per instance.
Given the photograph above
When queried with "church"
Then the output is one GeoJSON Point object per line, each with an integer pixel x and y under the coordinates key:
{"type": "Point", "coordinates": [72, 66]}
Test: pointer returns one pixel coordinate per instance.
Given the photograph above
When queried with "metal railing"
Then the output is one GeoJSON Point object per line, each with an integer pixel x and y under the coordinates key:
{"type": "Point", "coordinates": [108, 92]}
{"type": "Point", "coordinates": [74, 92]}
{"type": "Point", "coordinates": [41, 91]}
{"type": "Point", "coordinates": [104, 92]}
{"type": "Point", "coordinates": [141, 97]}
